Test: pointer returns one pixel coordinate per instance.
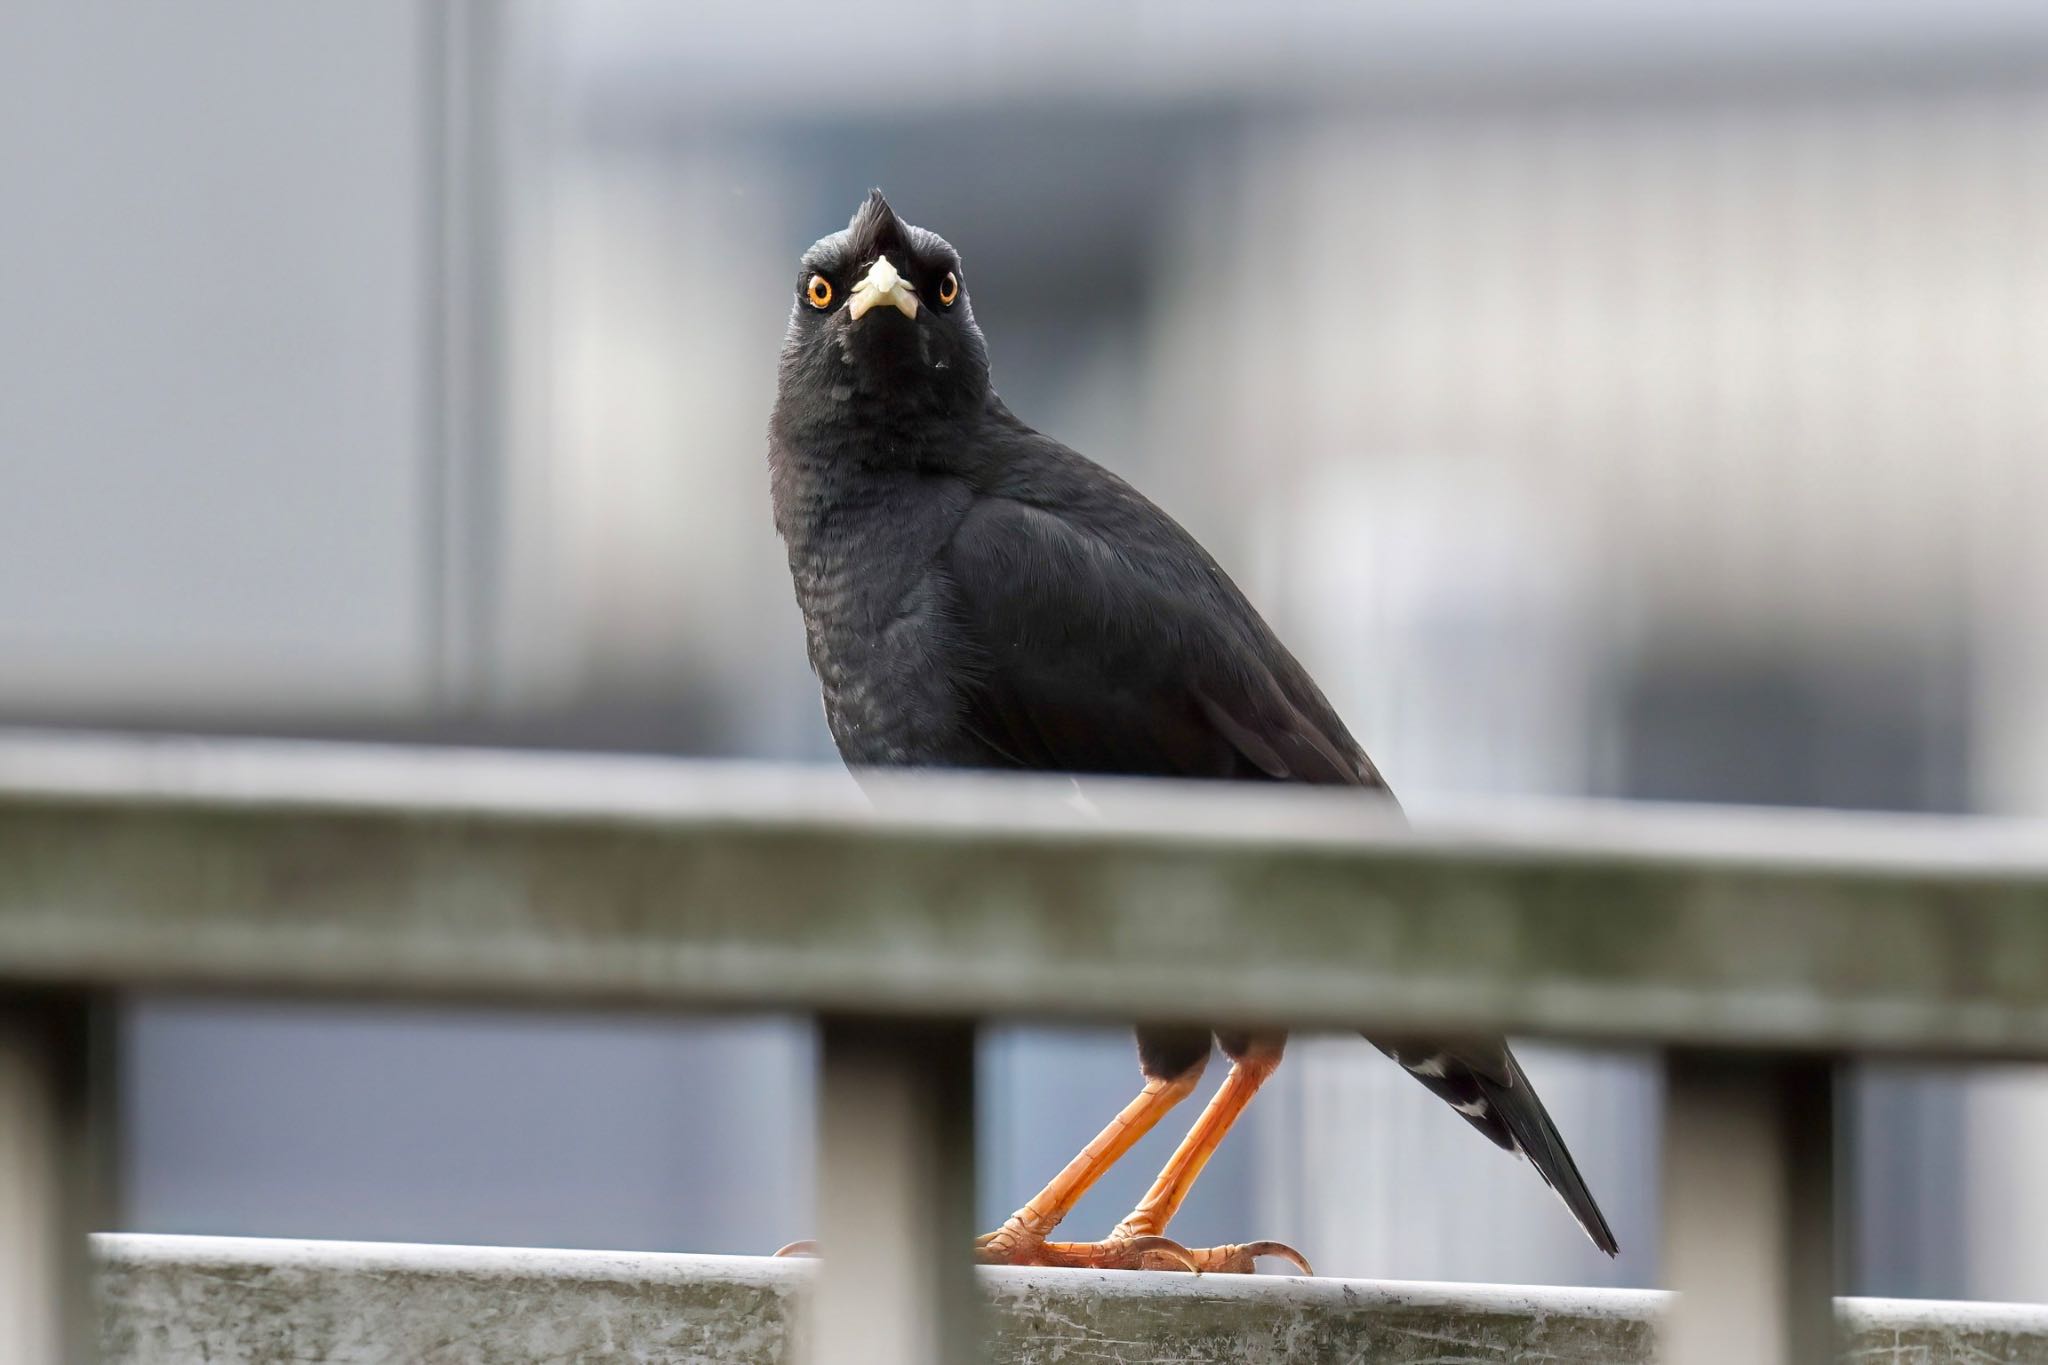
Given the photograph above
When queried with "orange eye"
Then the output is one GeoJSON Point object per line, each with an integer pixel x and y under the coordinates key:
{"type": "Point", "coordinates": [949, 289]}
{"type": "Point", "coordinates": [819, 292]}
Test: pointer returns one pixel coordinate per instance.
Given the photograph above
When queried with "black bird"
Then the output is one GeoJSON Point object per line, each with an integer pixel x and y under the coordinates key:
{"type": "Point", "coordinates": [977, 595]}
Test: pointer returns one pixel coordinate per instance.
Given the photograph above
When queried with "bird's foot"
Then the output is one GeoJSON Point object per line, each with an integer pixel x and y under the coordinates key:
{"type": "Point", "coordinates": [1013, 1244]}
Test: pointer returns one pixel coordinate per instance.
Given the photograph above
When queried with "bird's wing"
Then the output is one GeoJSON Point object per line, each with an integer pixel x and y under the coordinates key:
{"type": "Point", "coordinates": [1483, 1081]}
{"type": "Point", "coordinates": [1135, 656]}
{"type": "Point", "coordinates": [1115, 654]}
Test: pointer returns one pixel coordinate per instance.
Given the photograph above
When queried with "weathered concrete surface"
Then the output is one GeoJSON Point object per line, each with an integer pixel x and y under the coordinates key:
{"type": "Point", "coordinates": [1068, 1317]}
{"type": "Point", "coordinates": [213, 1301]}
{"type": "Point", "coordinates": [365, 871]}
{"type": "Point", "coordinates": [230, 1301]}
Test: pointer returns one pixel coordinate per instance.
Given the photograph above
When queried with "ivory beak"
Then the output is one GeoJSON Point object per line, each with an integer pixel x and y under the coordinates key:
{"type": "Point", "coordinates": [882, 286]}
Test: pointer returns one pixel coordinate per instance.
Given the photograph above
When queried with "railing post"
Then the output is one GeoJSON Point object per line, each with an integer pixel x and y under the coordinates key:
{"type": "Point", "coordinates": [1749, 1210]}
{"type": "Point", "coordinates": [54, 1181]}
{"type": "Point", "coordinates": [896, 1195]}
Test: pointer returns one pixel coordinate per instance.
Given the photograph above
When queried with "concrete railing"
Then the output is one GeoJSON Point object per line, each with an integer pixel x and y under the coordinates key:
{"type": "Point", "coordinates": [1756, 950]}
{"type": "Point", "coordinates": [180, 1300]}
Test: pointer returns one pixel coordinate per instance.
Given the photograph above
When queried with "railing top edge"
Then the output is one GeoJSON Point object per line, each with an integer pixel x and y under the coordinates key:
{"type": "Point", "coordinates": [436, 1258]}
{"type": "Point", "coordinates": [72, 768]}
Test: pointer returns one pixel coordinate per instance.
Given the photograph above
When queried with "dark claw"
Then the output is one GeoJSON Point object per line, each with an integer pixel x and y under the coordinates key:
{"type": "Point", "coordinates": [1151, 1246]}
{"type": "Point", "coordinates": [1253, 1250]}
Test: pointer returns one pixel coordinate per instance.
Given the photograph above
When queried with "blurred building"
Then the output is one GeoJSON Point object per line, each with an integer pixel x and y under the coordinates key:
{"type": "Point", "coordinates": [1636, 401]}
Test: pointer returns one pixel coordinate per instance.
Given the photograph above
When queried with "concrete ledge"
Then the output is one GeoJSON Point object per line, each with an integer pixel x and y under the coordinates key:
{"type": "Point", "coordinates": [180, 1300]}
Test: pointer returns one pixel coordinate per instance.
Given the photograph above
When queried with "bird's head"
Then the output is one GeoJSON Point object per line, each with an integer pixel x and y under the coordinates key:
{"type": "Point", "coordinates": [880, 329]}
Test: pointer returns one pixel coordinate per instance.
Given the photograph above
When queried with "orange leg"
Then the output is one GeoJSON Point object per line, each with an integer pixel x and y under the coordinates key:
{"type": "Point", "coordinates": [1019, 1238]}
{"type": "Point", "coordinates": [1184, 1167]}
{"type": "Point", "coordinates": [1140, 1241]}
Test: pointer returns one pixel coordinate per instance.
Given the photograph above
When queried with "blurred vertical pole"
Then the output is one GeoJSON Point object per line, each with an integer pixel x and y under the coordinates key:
{"type": "Point", "coordinates": [54, 1181]}
{"type": "Point", "coordinates": [466, 43]}
{"type": "Point", "coordinates": [895, 1195]}
{"type": "Point", "coordinates": [1749, 1210]}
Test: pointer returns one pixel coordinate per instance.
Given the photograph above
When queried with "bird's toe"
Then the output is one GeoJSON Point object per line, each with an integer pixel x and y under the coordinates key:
{"type": "Point", "coordinates": [1242, 1258]}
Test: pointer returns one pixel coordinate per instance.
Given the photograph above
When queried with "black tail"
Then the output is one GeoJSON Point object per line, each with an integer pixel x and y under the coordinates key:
{"type": "Point", "coordinates": [1485, 1083]}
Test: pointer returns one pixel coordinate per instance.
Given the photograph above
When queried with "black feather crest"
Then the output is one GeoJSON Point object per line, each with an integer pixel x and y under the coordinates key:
{"type": "Point", "coordinates": [874, 227]}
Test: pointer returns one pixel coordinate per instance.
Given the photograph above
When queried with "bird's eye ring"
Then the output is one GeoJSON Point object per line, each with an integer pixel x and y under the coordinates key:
{"type": "Point", "coordinates": [949, 289]}
{"type": "Point", "coordinates": [819, 292]}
